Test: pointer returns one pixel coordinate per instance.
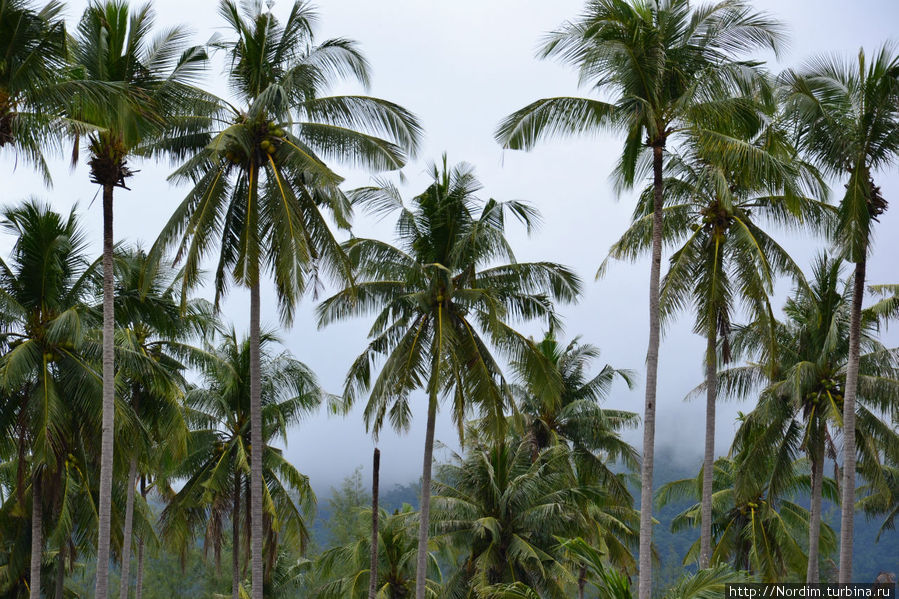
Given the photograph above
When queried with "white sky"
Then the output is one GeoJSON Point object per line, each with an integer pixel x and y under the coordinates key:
{"type": "Point", "coordinates": [462, 66]}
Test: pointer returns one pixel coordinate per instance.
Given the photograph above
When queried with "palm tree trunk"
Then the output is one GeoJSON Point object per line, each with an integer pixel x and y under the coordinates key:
{"type": "Point", "coordinates": [61, 570]}
{"type": "Point", "coordinates": [139, 583]}
{"type": "Point", "coordinates": [128, 529]}
{"type": "Point", "coordinates": [652, 368]}
{"type": "Point", "coordinates": [847, 500]}
{"type": "Point", "coordinates": [101, 590]}
{"type": "Point", "coordinates": [708, 463]}
{"type": "Point", "coordinates": [235, 540]}
{"type": "Point", "coordinates": [256, 443]}
{"type": "Point", "coordinates": [373, 567]}
{"type": "Point", "coordinates": [814, 525]}
{"type": "Point", "coordinates": [36, 538]}
{"type": "Point", "coordinates": [421, 563]}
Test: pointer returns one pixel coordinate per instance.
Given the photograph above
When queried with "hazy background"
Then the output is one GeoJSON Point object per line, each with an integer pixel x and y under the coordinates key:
{"type": "Point", "coordinates": [461, 66]}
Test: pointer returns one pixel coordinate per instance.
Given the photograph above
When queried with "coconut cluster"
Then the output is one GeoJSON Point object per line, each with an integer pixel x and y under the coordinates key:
{"type": "Point", "coordinates": [271, 136]}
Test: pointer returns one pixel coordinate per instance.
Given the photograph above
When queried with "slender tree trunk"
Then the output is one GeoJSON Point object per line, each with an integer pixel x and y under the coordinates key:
{"type": "Point", "coordinates": [847, 509]}
{"type": "Point", "coordinates": [101, 590]}
{"type": "Point", "coordinates": [652, 368]}
{"type": "Point", "coordinates": [708, 463]}
{"type": "Point", "coordinates": [373, 567]}
{"type": "Point", "coordinates": [128, 529]}
{"type": "Point", "coordinates": [139, 583]}
{"type": "Point", "coordinates": [235, 540]}
{"type": "Point", "coordinates": [36, 538]}
{"type": "Point", "coordinates": [61, 570]}
{"type": "Point", "coordinates": [421, 564]}
{"type": "Point", "coordinates": [814, 525]}
{"type": "Point", "coordinates": [256, 443]}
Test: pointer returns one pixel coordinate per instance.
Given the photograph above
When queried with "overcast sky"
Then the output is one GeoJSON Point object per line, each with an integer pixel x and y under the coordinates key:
{"type": "Point", "coordinates": [461, 66]}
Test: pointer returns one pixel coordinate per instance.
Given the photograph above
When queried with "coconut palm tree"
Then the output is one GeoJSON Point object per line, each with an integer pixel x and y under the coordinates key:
{"type": "Point", "coordinates": [440, 298]}
{"type": "Point", "coordinates": [757, 526]}
{"type": "Point", "coordinates": [849, 126]}
{"type": "Point", "coordinates": [33, 46]}
{"type": "Point", "coordinates": [261, 185]}
{"type": "Point", "coordinates": [666, 67]}
{"type": "Point", "coordinates": [803, 387]}
{"type": "Point", "coordinates": [573, 417]}
{"type": "Point", "coordinates": [348, 571]}
{"type": "Point", "coordinates": [504, 511]}
{"type": "Point", "coordinates": [45, 380]}
{"type": "Point", "coordinates": [153, 348]}
{"type": "Point", "coordinates": [154, 77]}
{"type": "Point", "coordinates": [719, 206]}
{"type": "Point", "coordinates": [216, 471]}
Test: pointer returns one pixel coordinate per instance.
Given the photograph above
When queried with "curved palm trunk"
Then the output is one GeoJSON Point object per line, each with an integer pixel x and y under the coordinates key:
{"type": "Point", "coordinates": [235, 540]}
{"type": "Point", "coordinates": [128, 529]}
{"type": "Point", "coordinates": [61, 570]}
{"type": "Point", "coordinates": [847, 499]}
{"type": "Point", "coordinates": [373, 567]}
{"type": "Point", "coordinates": [812, 574]}
{"type": "Point", "coordinates": [101, 590]}
{"type": "Point", "coordinates": [708, 462]}
{"type": "Point", "coordinates": [256, 444]}
{"type": "Point", "coordinates": [421, 562]}
{"type": "Point", "coordinates": [652, 368]}
{"type": "Point", "coordinates": [37, 544]}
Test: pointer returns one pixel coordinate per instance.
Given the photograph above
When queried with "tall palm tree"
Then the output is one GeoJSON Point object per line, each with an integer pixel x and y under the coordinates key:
{"type": "Point", "coordinates": [803, 387]}
{"type": "Point", "coordinates": [154, 77]}
{"type": "Point", "coordinates": [261, 184]}
{"type": "Point", "coordinates": [153, 347]}
{"type": "Point", "coordinates": [849, 122]}
{"type": "Point", "coordinates": [719, 204]}
{"type": "Point", "coordinates": [757, 524]}
{"type": "Point", "coordinates": [43, 376]}
{"type": "Point", "coordinates": [440, 298]}
{"type": "Point", "coordinates": [347, 568]}
{"type": "Point", "coordinates": [667, 67]}
{"type": "Point", "coordinates": [436, 296]}
{"type": "Point", "coordinates": [33, 46]}
{"type": "Point", "coordinates": [216, 471]}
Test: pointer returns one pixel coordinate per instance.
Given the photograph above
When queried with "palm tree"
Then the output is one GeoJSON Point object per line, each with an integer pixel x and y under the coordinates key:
{"type": "Point", "coordinates": [436, 298]}
{"type": "Point", "coordinates": [217, 470]}
{"type": "Point", "coordinates": [261, 184]}
{"type": "Point", "coordinates": [850, 128]}
{"type": "Point", "coordinates": [43, 376]}
{"type": "Point", "coordinates": [668, 68]}
{"type": "Point", "coordinates": [113, 45]}
{"type": "Point", "coordinates": [504, 511]}
{"type": "Point", "coordinates": [724, 258]}
{"type": "Point", "coordinates": [574, 419]}
{"type": "Point", "coordinates": [153, 349]}
{"type": "Point", "coordinates": [756, 526]}
{"type": "Point", "coordinates": [348, 570]}
{"type": "Point", "coordinates": [33, 46]}
{"type": "Point", "coordinates": [803, 385]}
